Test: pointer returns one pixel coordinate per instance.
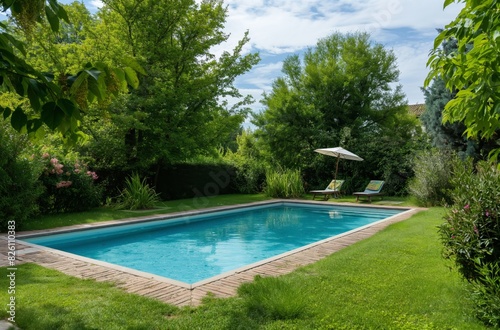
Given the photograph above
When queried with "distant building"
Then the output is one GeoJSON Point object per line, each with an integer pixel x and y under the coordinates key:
{"type": "Point", "coordinates": [416, 109]}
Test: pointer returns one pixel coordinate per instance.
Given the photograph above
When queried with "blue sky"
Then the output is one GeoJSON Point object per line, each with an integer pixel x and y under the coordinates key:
{"type": "Point", "coordinates": [279, 28]}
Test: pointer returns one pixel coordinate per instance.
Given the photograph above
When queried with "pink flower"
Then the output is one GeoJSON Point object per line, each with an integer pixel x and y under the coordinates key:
{"type": "Point", "coordinates": [487, 214]}
{"type": "Point", "coordinates": [63, 184]}
{"type": "Point", "coordinates": [467, 207]}
{"type": "Point", "coordinates": [476, 230]}
{"type": "Point", "coordinates": [45, 155]}
{"type": "Point", "coordinates": [93, 175]}
{"type": "Point", "coordinates": [77, 170]}
{"type": "Point", "coordinates": [54, 161]}
{"type": "Point", "coordinates": [58, 168]}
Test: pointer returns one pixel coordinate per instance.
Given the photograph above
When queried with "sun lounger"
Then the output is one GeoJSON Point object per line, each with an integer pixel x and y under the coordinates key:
{"type": "Point", "coordinates": [332, 189]}
{"type": "Point", "coordinates": [372, 189]}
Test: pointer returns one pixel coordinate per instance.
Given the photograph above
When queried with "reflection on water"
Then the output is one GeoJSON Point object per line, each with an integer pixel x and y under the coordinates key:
{"type": "Point", "coordinates": [335, 214]}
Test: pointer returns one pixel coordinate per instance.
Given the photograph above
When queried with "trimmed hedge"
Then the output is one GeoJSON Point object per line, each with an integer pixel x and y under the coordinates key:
{"type": "Point", "coordinates": [179, 181]}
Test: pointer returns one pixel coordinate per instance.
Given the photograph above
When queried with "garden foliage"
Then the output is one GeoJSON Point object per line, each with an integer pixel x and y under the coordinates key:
{"type": "Point", "coordinates": [486, 294]}
{"type": "Point", "coordinates": [249, 174]}
{"type": "Point", "coordinates": [471, 233]}
{"type": "Point", "coordinates": [432, 181]}
{"type": "Point", "coordinates": [137, 194]}
{"type": "Point", "coordinates": [69, 186]}
{"type": "Point", "coordinates": [472, 68]}
{"type": "Point", "coordinates": [284, 184]}
{"type": "Point", "coordinates": [19, 188]}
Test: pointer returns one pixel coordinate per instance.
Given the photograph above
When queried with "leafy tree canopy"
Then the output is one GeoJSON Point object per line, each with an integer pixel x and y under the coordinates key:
{"type": "Point", "coordinates": [472, 69]}
{"type": "Point", "coordinates": [341, 93]}
{"type": "Point", "coordinates": [444, 135]}
{"type": "Point", "coordinates": [54, 99]}
{"type": "Point", "coordinates": [179, 110]}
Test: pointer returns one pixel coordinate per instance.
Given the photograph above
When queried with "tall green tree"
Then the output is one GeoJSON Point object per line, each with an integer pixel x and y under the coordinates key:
{"type": "Point", "coordinates": [340, 94]}
{"type": "Point", "coordinates": [472, 69]}
{"type": "Point", "coordinates": [179, 110]}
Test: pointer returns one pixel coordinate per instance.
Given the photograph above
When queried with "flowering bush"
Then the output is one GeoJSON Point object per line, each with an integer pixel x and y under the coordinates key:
{"type": "Point", "coordinates": [472, 228]}
{"type": "Point", "coordinates": [69, 186]}
{"type": "Point", "coordinates": [471, 234]}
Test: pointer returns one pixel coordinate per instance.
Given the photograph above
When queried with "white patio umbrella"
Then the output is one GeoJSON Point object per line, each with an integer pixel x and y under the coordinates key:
{"type": "Point", "coordinates": [340, 153]}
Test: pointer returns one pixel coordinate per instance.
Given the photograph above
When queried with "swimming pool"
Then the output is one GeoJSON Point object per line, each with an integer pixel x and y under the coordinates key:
{"type": "Point", "coordinates": [194, 248]}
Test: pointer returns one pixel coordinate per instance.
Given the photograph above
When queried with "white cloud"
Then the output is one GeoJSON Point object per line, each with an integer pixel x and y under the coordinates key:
{"type": "Point", "coordinates": [285, 27]}
{"type": "Point", "coordinates": [95, 4]}
{"type": "Point", "coordinates": [412, 59]}
{"type": "Point", "coordinates": [263, 75]}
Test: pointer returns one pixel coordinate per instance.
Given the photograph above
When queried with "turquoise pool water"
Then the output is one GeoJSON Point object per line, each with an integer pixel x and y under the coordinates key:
{"type": "Point", "coordinates": [193, 248]}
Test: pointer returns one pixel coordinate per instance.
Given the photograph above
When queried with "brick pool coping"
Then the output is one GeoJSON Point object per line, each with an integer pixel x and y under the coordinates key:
{"type": "Point", "coordinates": [179, 293]}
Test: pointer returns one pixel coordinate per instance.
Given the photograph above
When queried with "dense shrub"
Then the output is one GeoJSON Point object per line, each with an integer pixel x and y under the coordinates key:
{"type": "Point", "coordinates": [471, 233]}
{"type": "Point", "coordinates": [19, 188]}
{"type": "Point", "coordinates": [249, 177]}
{"type": "Point", "coordinates": [249, 169]}
{"type": "Point", "coordinates": [284, 184]}
{"type": "Point", "coordinates": [69, 186]}
{"type": "Point", "coordinates": [137, 194]}
{"type": "Point", "coordinates": [433, 172]}
{"type": "Point", "coordinates": [486, 294]}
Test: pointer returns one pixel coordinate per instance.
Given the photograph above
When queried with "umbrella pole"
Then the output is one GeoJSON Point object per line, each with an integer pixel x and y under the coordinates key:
{"type": "Point", "coordinates": [336, 170]}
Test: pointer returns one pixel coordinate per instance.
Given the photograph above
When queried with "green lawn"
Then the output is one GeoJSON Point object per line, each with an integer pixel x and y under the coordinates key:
{"type": "Point", "coordinates": [393, 280]}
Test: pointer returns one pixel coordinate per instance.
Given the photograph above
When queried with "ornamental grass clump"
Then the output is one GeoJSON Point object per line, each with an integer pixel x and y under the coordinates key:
{"type": "Point", "coordinates": [471, 234]}
{"type": "Point", "coordinates": [137, 195]}
{"type": "Point", "coordinates": [284, 184]}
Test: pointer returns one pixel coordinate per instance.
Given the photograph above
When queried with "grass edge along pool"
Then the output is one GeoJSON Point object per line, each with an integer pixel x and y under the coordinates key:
{"type": "Point", "coordinates": [199, 246]}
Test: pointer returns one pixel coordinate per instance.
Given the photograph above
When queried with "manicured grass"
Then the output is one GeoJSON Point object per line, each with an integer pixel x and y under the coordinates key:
{"type": "Point", "coordinates": [396, 279]}
{"type": "Point", "coordinates": [108, 213]}
{"type": "Point", "coordinates": [47, 299]}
